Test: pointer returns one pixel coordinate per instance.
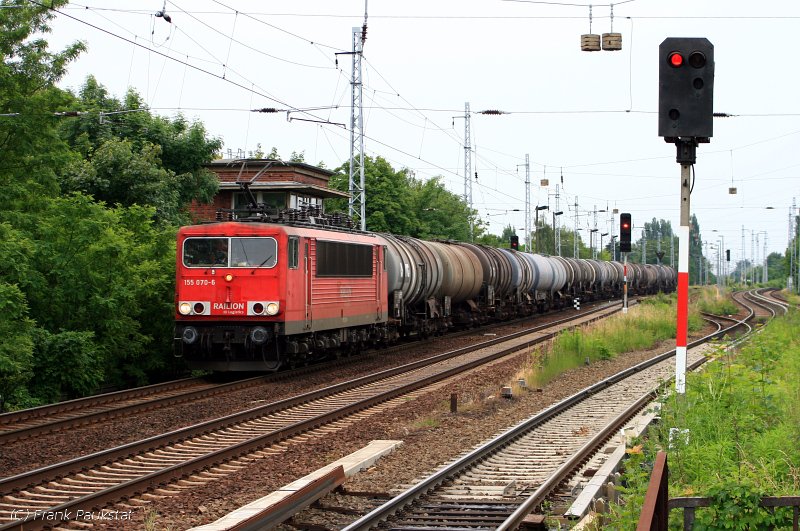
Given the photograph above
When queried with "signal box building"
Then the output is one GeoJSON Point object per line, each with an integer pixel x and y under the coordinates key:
{"type": "Point", "coordinates": [282, 185]}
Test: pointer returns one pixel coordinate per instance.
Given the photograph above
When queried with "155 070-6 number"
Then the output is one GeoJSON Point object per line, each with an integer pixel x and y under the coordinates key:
{"type": "Point", "coordinates": [199, 282]}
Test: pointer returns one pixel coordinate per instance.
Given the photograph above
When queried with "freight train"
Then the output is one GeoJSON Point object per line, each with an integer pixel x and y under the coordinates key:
{"type": "Point", "coordinates": [264, 292]}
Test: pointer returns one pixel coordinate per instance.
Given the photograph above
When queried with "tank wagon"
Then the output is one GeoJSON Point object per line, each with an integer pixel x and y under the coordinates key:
{"type": "Point", "coordinates": [255, 296]}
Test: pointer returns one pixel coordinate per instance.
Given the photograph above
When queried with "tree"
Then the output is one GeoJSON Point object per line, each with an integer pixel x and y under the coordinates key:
{"type": "Point", "coordinates": [388, 207]}
{"type": "Point", "coordinates": [440, 213]}
{"type": "Point", "coordinates": [399, 204]}
{"type": "Point", "coordinates": [30, 148]}
{"type": "Point", "coordinates": [16, 347]}
{"type": "Point", "coordinates": [134, 157]}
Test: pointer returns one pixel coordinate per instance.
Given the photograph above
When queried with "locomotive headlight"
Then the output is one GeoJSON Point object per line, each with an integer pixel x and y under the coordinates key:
{"type": "Point", "coordinates": [228, 277]}
{"type": "Point", "coordinates": [272, 308]}
{"type": "Point", "coordinates": [185, 308]}
{"type": "Point", "coordinates": [258, 308]}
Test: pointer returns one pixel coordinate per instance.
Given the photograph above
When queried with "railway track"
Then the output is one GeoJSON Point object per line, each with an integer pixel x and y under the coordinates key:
{"type": "Point", "coordinates": [91, 410]}
{"type": "Point", "coordinates": [108, 476]}
{"type": "Point", "coordinates": [498, 484]}
{"type": "Point", "coordinates": [62, 415]}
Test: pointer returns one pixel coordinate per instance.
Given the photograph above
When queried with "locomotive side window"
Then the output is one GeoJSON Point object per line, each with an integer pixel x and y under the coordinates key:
{"type": "Point", "coordinates": [338, 259]}
{"type": "Point", "coordinates": [293, 252]}
{"type": "Point", "coordinates": [205, 252]}
{"type": "Point", "coordinates": [254, 252]}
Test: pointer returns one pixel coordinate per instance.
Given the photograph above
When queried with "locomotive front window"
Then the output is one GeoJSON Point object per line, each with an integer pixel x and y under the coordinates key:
{"type": "Point", "coordinates": [254, 252]}
{"type": "Point", "coordinates": [205, 252]}
{"type": "Point", "coordinates": [230, 252]}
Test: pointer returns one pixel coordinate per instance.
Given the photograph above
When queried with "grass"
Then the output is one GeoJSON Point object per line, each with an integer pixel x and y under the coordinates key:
{"type": "Point", "coordinates": [426, 423]}
{"type": "Point", "coordinates": [743, 417]}
{"type": "Point", "coordinates": [712, 299]}
{"type": "Point", "coordinates": [643, 327]}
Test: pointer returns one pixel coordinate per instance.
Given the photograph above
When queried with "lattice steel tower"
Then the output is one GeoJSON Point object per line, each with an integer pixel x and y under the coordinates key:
{"type": "Point", "coordinates": [357, 201]}
{"type": "Point", "coordinates": [468, 165]}
{"type": "Point", "coordinates": [528, 204]}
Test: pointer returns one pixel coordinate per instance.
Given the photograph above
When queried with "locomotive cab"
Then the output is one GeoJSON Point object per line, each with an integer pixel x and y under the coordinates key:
{"type": "Point", "coordinates": [256, 296]}
{"type": "Point", "coordinates": [233, 279]}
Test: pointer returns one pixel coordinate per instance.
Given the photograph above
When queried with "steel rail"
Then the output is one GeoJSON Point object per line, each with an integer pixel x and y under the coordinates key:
{"type": "Point", "coordinates": [402, 500]}
{"type": "Point", "coordinates": [39, 415]}
{"type": "Point", "coordinates": [141, 484]}
{"type": "Point", "coordinates": [49, 410]}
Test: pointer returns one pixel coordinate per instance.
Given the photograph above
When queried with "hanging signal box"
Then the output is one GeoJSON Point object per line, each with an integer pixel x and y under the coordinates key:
{"type": "Point", "coordinates": [590, 42]}
{"type": "Point", "coordinates": [612, 41]}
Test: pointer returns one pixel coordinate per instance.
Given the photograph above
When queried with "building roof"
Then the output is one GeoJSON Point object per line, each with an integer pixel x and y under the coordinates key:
{"type": "Point", "coordinates": [257, 164]}
{"type": "Point", "coordinates": [275, 175]}
{"type": "Point", "coordinates": [309, 189]}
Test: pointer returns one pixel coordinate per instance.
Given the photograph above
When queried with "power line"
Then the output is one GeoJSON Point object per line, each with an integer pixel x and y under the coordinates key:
{"type": "Point", "coordinates": [202, 70]}
{"type": "Point", "coordinates": [245, 45]}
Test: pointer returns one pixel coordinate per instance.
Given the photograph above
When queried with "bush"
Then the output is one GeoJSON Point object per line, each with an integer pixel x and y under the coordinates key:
{"type": "Point", "coordinates": [714, 300]}
{"type": "Point", "coordinates": [743, 418]}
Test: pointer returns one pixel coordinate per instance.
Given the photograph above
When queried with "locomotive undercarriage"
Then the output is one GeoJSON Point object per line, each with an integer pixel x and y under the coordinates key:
{"type": "Point", "coordinates": [248, 347]}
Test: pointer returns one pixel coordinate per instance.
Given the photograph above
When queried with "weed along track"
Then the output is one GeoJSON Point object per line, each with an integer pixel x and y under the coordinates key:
{"type": "Point", "coordinates": [162, 462]}
{"type": "Point", "coordinates": [497, 485]}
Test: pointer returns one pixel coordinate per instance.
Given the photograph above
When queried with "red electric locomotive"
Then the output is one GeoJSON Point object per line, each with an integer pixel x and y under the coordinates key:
{"type": "Point", "coordinates": [254, 296]}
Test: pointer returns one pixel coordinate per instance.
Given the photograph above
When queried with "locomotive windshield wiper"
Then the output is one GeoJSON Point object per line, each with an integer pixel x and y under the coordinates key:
{"type": "Point", "coordinates": [267, 259]}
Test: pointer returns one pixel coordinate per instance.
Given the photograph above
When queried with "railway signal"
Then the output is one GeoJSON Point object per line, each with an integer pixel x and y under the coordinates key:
{"type": "Point", "coordinates": [515, 242]}
{"type": "Point", "coordinates": [727, 255]}
{"type": "Point", "coordinates": [625, 225]}
{"type": "Point", "coordinates": [686, 88]}
{"type": "Point", "coordinates": [685, 118]}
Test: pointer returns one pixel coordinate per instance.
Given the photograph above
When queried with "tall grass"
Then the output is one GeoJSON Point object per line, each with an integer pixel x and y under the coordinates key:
{"type": "Point", "coordinates": [643, 327]}
{"type": "Point", "coordinates": [743, 417]}
{"type": "Point", "coordinates": [712, 299]}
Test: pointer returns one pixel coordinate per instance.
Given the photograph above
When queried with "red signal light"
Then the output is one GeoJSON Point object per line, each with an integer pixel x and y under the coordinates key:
{"type": "Point", "coordinates": [676, 59]}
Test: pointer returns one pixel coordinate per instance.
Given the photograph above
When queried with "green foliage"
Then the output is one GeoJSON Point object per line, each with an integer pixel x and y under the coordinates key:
{"type": "Point", "coordinates": [642, 328]}
{"type": "Point", "coordinates": [712, 299]}
{"type": "Point", "coordinates": [30, 149]}
{"type": "Point", "coordinates": [400, 204]}
{"type": "Point", "coordinates": [68, 365]}
{"type": "Point", "coordinates": [743, 419]}
{"type": "Point", "coordinates": [97, 282]}
{"type": "Point", "coordinates": [16, 346]}
{"type": "Point", "coordinates": [735, 506]}
{"type": "Point", "coordinates": [131, 156]}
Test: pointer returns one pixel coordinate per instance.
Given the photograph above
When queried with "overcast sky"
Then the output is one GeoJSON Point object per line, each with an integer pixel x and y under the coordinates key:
{"type": "Point", "coordinates": [589, 117]}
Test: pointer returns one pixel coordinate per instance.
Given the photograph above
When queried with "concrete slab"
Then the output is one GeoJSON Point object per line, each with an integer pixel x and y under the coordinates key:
{"type": "Point", "coordinates": [351, 465]}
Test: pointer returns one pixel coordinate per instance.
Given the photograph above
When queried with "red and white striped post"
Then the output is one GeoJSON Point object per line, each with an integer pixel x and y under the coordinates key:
{"type": "Point", "coordinates": [625, 283]}
{"type": "Point", "coordinates": [682, 328]}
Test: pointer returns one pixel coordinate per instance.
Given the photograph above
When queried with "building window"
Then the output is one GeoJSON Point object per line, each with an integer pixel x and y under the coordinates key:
{"type": "Point", "coordinates": [276, 200]}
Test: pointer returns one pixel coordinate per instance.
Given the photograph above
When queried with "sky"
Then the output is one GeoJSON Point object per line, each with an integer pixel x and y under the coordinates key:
{"type": "Point", "coordinates": [586, 120]}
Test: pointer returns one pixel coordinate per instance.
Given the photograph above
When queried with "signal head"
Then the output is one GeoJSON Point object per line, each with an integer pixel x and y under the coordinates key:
{"type": "Point", "coordinates": [686, 88]}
